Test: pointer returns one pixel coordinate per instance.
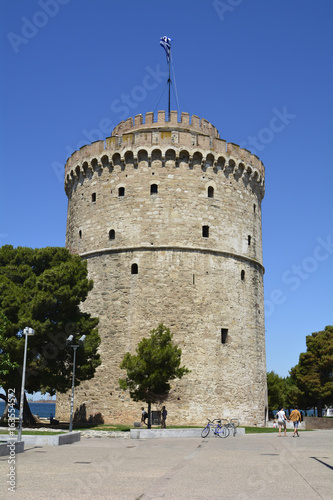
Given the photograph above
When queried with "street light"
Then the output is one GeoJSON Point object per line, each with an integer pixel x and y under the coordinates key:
{"type": "Point", "coordinates": [69, 342]}
{"type": "Point", "coordinates": [27, 331]}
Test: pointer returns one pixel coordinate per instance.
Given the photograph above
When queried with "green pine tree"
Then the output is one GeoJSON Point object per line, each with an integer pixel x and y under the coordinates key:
{"type": "Point", "coordinates": [149, 372]}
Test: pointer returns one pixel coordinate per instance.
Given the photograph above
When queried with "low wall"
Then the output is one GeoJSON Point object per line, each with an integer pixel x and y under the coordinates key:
{"type": "Point", "coordinates": [5, 448]}
{"type": "Point", "coordinates": [318, 423]}
{"type": "Point", "coordinates": [173, 433]}
{"type": "Point", "coordinates": [47, 440]}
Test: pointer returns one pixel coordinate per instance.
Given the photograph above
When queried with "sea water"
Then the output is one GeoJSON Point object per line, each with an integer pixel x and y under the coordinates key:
{"type": "Point", "coordinates": [43, 410]}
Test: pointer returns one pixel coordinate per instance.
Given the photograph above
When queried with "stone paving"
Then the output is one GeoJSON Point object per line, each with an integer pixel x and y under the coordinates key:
{"type": "Point", "coordinates": [254, 467]}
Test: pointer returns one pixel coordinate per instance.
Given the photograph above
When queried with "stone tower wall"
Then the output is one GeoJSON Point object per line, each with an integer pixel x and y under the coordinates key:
{"type": "Point", "coordinates": [185, 207]}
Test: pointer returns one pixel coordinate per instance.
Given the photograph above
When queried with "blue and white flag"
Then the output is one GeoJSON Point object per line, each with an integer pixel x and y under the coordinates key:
{"type": "Point", "coordinates": [165, 42]}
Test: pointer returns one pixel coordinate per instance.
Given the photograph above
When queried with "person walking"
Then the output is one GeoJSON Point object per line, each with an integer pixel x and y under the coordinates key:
{"type": "Point", "coordinates": [282, 421]}
{"type": "Point", "coordinates": [163, 417]}
{"type": "Point", "coordinates": [296, 418]}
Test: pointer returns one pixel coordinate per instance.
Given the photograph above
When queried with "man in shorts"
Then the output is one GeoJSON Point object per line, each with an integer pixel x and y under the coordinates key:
{"type": "Point", "coordinates": [295, 417]}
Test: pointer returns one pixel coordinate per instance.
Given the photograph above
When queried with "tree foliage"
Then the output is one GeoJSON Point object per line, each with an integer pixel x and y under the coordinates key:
{"type": "Point", "coordinates": [156, 362]}
{"type": "Point", "coordinates": [314, 372]}
{"type": "Point", "coordinates": [6, 366]}
{"type": "Point", "coordinates": [276, 391]}
{"type": "Point", "coordinates": [293, 394]}
{"type": "Point", "coordinates": [43, 289]}
{"type": "Point", "coordinates": [282, 391]}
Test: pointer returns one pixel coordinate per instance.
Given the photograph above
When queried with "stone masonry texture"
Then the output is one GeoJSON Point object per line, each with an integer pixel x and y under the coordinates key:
{"type": "Point", "coordinates": [168, 218]}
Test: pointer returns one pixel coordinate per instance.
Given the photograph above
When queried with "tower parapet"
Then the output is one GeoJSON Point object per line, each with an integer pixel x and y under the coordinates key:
{"type": "Point", "coordinates": [185, 138]}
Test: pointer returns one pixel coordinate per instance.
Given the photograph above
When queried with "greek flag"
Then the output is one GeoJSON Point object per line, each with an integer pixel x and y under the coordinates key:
{"type": "Point", "coordinates": [165, 42]}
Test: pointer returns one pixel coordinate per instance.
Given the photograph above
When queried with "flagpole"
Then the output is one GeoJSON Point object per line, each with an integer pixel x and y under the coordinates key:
{"type": "Point", "coordinates": [165, 42]}
{"type": "Point", "coordinates": [169, 82]}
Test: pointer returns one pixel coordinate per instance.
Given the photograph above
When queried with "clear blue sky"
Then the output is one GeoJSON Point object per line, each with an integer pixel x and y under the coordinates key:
{"type": "Point", "coordinates": [260, 71]}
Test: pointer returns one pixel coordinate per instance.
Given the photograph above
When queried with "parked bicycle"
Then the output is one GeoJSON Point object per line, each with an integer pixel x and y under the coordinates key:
{"type": "Point", "coordinates": [219, 429]}
{"type": "Point", "coordinates": [232, 425]}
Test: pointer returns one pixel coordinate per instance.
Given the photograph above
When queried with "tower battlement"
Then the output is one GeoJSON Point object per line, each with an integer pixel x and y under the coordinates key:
{"type": "Point", "coordinates": [198, 143]}
{"type": "Point", "coordinates": [194, 124]}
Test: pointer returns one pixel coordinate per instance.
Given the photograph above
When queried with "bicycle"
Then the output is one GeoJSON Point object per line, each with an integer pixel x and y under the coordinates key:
{"type": "Point", "coordinates": [232, 426]}
{"type": "Point", "coordinates": [220, 430]}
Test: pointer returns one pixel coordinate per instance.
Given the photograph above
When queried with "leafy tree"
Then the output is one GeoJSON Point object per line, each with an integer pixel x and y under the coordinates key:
{"type": "Point", "coordinates": [282, 391]}
{"type": "Point", "coordinates": [314, 372]}
{"type": "Point", "coordinates": [276, 391]}
{"type": "Point", "coordinates": [293, 394]}
{"type": "Point", "coordinates": [43, 289]}
{"type": "Point", "coordinates": [150, 371]}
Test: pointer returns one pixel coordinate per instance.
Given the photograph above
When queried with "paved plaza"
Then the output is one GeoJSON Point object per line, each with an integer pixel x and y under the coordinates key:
{"type": "Point", "coordinates": [257, 466]}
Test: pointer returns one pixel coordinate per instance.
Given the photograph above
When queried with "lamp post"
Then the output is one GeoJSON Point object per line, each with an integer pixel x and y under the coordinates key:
{"type": "Point", "coordinates": [75, 346]}
{"type": "Point", "coordinates": [27, 331]}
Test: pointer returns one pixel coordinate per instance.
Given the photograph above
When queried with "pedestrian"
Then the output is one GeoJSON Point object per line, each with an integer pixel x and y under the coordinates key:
{"type": "Point", "coordinates": [296, 418]}
{"type": "Point", "coordinates": [144, 416]}
{"type": "Point", "coordinates": [282, 421]}
{"type": "Point", "coordinates": [163, 417]}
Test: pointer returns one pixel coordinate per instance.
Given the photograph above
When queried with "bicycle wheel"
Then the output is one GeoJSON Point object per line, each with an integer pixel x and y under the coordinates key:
{"type": "Point", "coordinates": [205, 431]}
{"type": "Point", "coordinates": [232, 429]}
{"type": "Point", "coordinates": [223, 431]}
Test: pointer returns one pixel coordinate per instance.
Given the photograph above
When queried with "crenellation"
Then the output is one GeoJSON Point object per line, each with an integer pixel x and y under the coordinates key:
{"type": "Point", "coordinates": [138, 120]}
{"type": "Point", "coordinates": [173, 118]}
{"type": "Point", "coordinates": [118, 129]}
{"type": "Point", "coordinates": [195, 122]}
{"type": "Point", "coordinates": [207, 127]}
{"type": "Point", "coordinates": [161, 117]}
{"type": "Point", "coordinates": [149, 118]}
{"type": "Point", "coordinates": [128, 123]}
{"type": "Point", "coordinates": [202, 126]}
{"type": "Point", "coordinates": [185, 119]}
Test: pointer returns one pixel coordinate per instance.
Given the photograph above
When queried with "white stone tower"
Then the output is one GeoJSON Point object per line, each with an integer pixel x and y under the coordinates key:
{"type": "Point", "coordinates": [168, 217]}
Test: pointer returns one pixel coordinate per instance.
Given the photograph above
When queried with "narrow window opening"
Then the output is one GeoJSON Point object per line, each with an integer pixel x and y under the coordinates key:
{"type": "Point", "coordinates": [193, 279]}
{"type": "Point", "coordinates": [242, 274]}
{"type": "Point", "coordinates": [153, 189]}
{"type": "Point", "coordinates": [134, 269]}
{"type": "Point", "coordinates": [112, 234]}
{"type": "Point", "coordinates": [254, 208]}
{"type": "Point", "coordinates": [249, 240]}
{"type": "Point", "coordinates": [93, 197]}
{"type": "Point", "coordinates": [224, 335]}
{"type": "Point", "coordinates": [210, 192]}
{"type": "Point", "coordinates": [121, 191]}
{"type": "Point", "coordinates": [80, 234]}
{"type": "Point", "coordinates": [205, 231]}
